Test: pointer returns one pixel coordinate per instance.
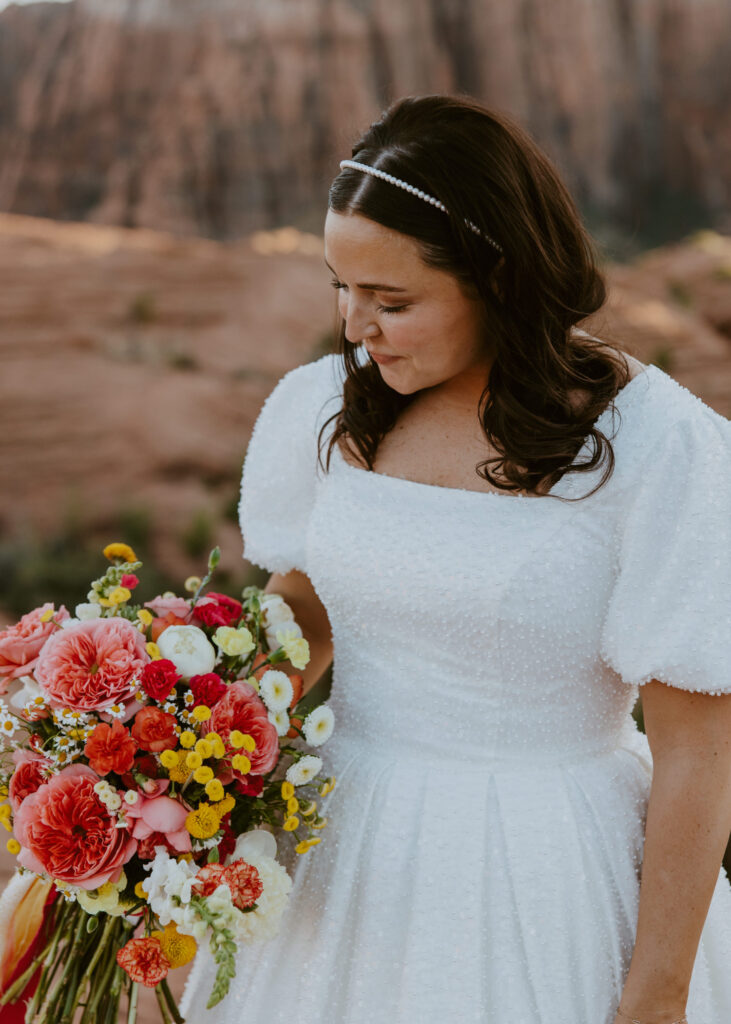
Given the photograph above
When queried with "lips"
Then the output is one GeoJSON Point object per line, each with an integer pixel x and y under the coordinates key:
{"type": "Point", "coordinates": [381, 357]}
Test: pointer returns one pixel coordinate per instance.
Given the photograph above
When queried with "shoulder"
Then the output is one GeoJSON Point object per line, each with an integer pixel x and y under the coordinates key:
{"type": "Point", "coordinates": [303, 398]}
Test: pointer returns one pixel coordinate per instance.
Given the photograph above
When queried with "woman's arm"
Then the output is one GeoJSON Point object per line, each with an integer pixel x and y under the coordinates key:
{"type": "Point", "coordinates": [309, 612]}
{"type": "Point", "coordinates": [686, 833]}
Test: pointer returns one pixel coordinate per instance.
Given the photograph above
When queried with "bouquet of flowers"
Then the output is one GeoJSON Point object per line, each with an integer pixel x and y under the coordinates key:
{"type": "Point", "coordinates": [149, 753]}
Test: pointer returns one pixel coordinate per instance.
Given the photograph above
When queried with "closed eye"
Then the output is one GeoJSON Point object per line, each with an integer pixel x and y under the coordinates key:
{"type": "Point", "coordinates": [381, 309]}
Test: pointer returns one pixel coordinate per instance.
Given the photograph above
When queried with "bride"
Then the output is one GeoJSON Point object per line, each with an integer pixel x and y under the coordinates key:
{"type": "Point", "coordinates": [501, 530]}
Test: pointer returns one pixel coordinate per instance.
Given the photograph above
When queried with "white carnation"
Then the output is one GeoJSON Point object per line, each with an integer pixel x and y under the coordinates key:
{"type": "Point", "coordinates": [189, 649]}
{"type": "Point", "coordinates": [318, 725]}
{"type": "Point", "coordinates": [276, 690]}
{"type": "Point", "coordinates": [304, 770]}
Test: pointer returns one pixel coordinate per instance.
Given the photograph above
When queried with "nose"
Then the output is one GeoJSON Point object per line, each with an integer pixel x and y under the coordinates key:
{"type": "Point", "coordinates": [358, 323]}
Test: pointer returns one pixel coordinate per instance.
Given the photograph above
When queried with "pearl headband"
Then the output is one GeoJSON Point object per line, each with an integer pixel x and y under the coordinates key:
{"type": "Point", "coordinates": [378, 173]}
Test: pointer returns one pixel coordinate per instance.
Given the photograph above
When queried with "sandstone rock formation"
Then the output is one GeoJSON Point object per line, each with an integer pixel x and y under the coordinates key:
{"type": "Point", "coordinates": [217, 117]}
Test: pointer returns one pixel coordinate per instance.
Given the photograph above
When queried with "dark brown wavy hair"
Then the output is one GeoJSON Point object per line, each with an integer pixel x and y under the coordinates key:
{"type": "Point", "coordinates": [486, 169]}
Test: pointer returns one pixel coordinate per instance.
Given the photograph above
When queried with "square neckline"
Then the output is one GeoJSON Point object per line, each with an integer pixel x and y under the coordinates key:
{"type": "Point", "coordinates": [615, 403]}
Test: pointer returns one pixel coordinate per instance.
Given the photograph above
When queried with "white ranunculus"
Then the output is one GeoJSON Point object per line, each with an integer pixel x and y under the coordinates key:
{"type": "Point", "coordinates": [275, 689]}
{"type": "Point", "coordinates": [257, 842]}
{"type": "Point", "coordinates": [189, 649]}
{"type": "Point", "coordinates": [318, 725]}
{"type": "Point", "coordinates": [276, 610]}
{"type": "Point", "coordinates": [87, 611]}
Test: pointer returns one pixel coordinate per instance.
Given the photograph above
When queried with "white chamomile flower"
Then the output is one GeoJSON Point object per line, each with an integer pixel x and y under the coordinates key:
{"type": "Point", "coordinates": [113, 801]}
{"type": "Point", "coordinates": [188, 698]}
{"type": "Point", "coordinates": [171, 708]}
{"type": "Point", "coordinates": [318, 725]}
{"type": "Point", "coordinates": [304, 770]}
{"type": "Point", "coordinates": [7, 722]}
{"type": "Point", "coordinates": [116, 711]}
{"type": "Point", "coordinates": [275, 689]}
{"type": "Point", "coordinates": [131, 797]}
{"type": "Point", "coordinates": [102, 787]}
{"type": "Point", "coordinates": [280, 721]}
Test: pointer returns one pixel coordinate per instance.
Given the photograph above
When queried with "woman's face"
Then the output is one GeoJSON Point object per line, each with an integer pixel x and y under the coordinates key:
{"type": "Point", "coordinates": [421, 317]}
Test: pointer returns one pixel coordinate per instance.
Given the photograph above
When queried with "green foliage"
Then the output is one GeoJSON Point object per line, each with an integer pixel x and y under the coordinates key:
{"type": "Point", "coordinates": [663, 358]}
{"type": "Point", "coordinates": [198, 537]}
{"type": "Point", "coordinates": [143, 308]}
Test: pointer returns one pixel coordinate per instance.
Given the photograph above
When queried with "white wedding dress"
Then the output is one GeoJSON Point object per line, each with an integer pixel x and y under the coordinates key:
{"type": "Point", "coordinates": [482, 858]}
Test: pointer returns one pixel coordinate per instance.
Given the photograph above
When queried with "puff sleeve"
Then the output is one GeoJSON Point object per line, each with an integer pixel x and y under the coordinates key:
{"type": "Point", "coordinates": [280, 472]}
{"type": "Point", "coordinates": [669, 611]}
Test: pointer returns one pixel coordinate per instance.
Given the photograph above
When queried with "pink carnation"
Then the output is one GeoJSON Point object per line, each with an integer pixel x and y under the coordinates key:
{"type": "Point", "coordinates": [92, 665]}
{"type": "Point", "coordinates": [66, 831]}
{"type": "Point", "coordinates": [21, 644]}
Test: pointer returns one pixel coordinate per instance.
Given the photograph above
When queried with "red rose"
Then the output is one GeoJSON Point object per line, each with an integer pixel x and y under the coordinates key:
{"type": "Point", "coordinates": [144, 961]}
{"type": "Point", "coordinates": [252, 785]}
{"type": "Point", "coordinates": [227, 844]}
{"type": "Point", "coordinates": [158, 679]}
{"type": "Point", "coordinates": [154, 730]}
{"type": "Point", "coordinates": [110, 748]}
{"type": "Point", "coordinates": [207, 689]}
{"type": "Point", "coordinates": [243, 709]}
{"type": "Point", "coordinates": [218, 610]}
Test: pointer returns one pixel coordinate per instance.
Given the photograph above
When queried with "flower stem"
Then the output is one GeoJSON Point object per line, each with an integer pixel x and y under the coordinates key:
{"type": "Point", "coordinates": [132, 1012]}
{"type": "Point", "coordinates": [161, 1003]}
{"type": "Point", "coordinates": [170, 1000]}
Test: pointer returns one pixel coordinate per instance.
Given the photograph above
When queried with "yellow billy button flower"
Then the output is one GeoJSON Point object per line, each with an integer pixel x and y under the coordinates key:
{"type": "Point", "coordinates": [13, 846]}
{"type": "Point", "coordinates": [291, 823]}
{"type": "Point", "coordinates": [178, 949]}
{"type": "Point", "coordinates": [187, 738]}
{"type": "Point", "coordinates": [214, 791]}
{"type": "Point", "coordinates": [219, 750]}
{"type": "Point", "coordinates": [169, 759]}
{"type": "Point", "coordinates": [180, 771]}
{"type": "Point", "coordinates": [204, 748]}
{"type": "Point", "coordinates": [203, 822]}
{"type": "Point", "coordinates": [227, 804]}
{"type": "Point", "coordinates": [236, 739]}
{"type": "Point", "coordinates": [287, 790]}
{"type": "Point", "coordinates": [241, 763]}
{"type": "Point", "coordinates": [249, 743]}
{"type": "Point", "coordinates": [145, 616]}
{"type": "Point", "coordinates": [203, 774]}
{"type": "Point", "coordinates": [293, 805]}
{"type": "Point", "coordinates": [193, 760]}
{"type": "Point", "coordinates": [153, 650]}
{"type": "Point", "coordinates": [202, 713]}
{"type": "Point", "coordinates": [121, 552]}
{"type": "Point", "coordinates": [140, 891]}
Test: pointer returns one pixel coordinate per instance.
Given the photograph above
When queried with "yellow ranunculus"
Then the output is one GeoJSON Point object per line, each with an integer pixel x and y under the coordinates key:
{"type": "Point", "coordinates": [120, 552]}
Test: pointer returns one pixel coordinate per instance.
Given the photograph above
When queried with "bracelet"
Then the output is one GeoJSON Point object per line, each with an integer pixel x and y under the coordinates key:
{"type": "Point", "coordinates": [621, 1013]}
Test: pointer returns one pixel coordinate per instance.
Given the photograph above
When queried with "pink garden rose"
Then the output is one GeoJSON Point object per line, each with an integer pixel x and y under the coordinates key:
{"type": "Point", "coordinates": [92, 665]}
{"type": "Point", "coordinates": [242, 708]}
{"type": "Point", "coordinates": [66, 831]}
{"type": "Point", "coordinates": [27, 776]}
{"type": "Point", "coordinates": [161, 606]}
{"type": "Point", "coordinates": [160, 814]}
{"type": "Point", "coordinates": [20, 644]}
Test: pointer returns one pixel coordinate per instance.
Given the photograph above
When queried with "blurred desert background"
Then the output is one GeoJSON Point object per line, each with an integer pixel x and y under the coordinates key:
{"type": "Point", "coordinates": [164, 168]}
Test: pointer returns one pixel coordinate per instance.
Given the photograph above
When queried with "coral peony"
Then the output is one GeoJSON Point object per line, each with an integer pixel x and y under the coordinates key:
{"type": "Point", "coordinates": [21, 644]}
{"type": "Point", "coordinates": [242, 709]}
{"type": "Point", "coordinates": [207, 689]}
{"type": "Point", "coordinates": [92, 665]}
{"type": "Point", "coordinates": [66, 831]}
{"type": "Point", "coordinates": [110, 748]}
{"type": "Point", "coordinates": [218, 610]}
{"type": "Point", "coordinates": [144, 961]}
{"type": "Point", "coordinates": [154, 730]}
{"type": "Point", "coordinates": [159, 678]}
{"type": "Point", "coordinates": [27, 777]}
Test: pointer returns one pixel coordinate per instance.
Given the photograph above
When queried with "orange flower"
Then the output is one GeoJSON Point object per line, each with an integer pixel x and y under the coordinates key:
{"type": "Point", "coordinates": [110, 749]}
{"type": "Point", "coordinates": [144, 961]}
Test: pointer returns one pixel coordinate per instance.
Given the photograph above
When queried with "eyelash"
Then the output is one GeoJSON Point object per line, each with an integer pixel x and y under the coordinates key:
{"type": "Point", "coordinates": [381, 309]}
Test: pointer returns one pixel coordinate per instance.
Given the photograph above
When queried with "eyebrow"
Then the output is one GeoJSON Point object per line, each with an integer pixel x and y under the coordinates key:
{"type": "Point", "coordinates": [373, 287]}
